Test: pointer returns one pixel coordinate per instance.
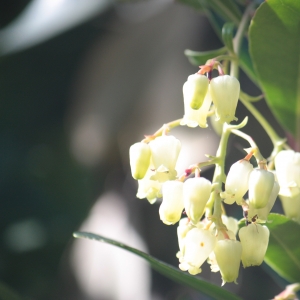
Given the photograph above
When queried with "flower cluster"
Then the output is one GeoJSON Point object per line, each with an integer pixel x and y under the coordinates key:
{"type": "Point", "coordinates": [198, 93]}
{"type": "Point", "coordinates": [206, 233]}
{"type": "Point", "coordinates": [261, 186]}
{"type": "Point", "coordinates": [154, 163]}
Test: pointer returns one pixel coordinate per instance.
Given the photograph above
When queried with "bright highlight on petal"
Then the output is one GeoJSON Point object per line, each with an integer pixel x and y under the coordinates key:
{"type": "Point", "coordinates": [165, 151]}
{"type": "Point", "coordinates": [172, 205]}
{"type": "Point", "coordinates": [228, 255]}
{"type": "Point", "coordinates": [194, 90]}
{"type": "Point", "coordinates": [254, 239]}
{"type": "Point", "coordinates": [196, 192]}
{"type": "Point", "coordinates": [225, 91]}
{"type": "Point", "coordinates": [261, 184]}
{"type": "Point", "coordinates": [199, 243]}
{"type": "Point", "coordinates": [139, 155]}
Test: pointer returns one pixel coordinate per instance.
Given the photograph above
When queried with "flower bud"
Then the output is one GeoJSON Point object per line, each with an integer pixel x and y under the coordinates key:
{"type": "Point", "coordinates": [287, 164]}
{"type": "Point", "coordinates": [172, 205]}
{"type": "Point", "coordinates": [225, 91]}
{"type": "Point", "coordinates": [261, 183]}
{"type": "Point", "coordinates": [254, 239]}
{"type": "Point", "coordinates": [196, 192]}
{"type": "Point", "coordinates": [139, 155]}
{"type": "Point", "coordinates": [228, 255]}
{"type": "Point", "coordinates": [236, 184]}
{"type": "Point", "coordinates": [195, 89]}
{"type": "Point", "coordinates": [165, 151]}
{"type": "Point", "coordinates": [199, 243]}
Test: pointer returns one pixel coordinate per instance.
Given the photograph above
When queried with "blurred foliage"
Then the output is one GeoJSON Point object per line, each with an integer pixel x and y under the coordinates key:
{"type": "Point", "coordinates": [40, 181]}
{"type": "Point", "coordinates": [9, 10]}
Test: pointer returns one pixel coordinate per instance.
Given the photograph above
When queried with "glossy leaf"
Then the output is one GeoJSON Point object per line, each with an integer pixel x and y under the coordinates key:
{"type": "Point", "coordinates": [199, 58]}
{"type": "Point", "coordinates": [275, 50]}
{"type": "Point", "coordinates": [217, 18]}
{"type": "Point", "coordinates": [206, 288]}
{"type": "Point", "coordinates": [227, 9]}
{"type": "Point", "coordinates": [227, 35]}
{"type": "Point", "coordinates": [283, 254]}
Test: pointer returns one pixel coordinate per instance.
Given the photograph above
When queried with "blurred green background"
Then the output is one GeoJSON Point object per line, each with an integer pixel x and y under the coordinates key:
{"type": "Point", "coordinates": [80, 81]}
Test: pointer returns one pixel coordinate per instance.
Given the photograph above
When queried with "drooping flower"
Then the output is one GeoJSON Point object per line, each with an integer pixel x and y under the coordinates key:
{"type": "Point", "coordinates": [183, 228]}
{"type": "Point", "coordinates": [148, 188]}
{"type": "Point", "coordinates": [225, 91]}
{"type": "Point", "coordinates": [198, 244]}
{"type": "Point", "coordinates": [165, 151]}
{"type": "Point", "coordinates": [261, 184]}
{"type": "Point", "coordinates": [254, 239]}
{"type": "Point", "coordinates": [139, 156]}
{"type": "Point", "coordinates": [195, 89]}
{"type": "Point", "coordinates": [228, 255]}
{"type": "Point", "coordinates": [262, 213]}
{"type": "Point", "coordinates": [193, 118]}
{"type": "Point", "coordinates": [172, 205]}
{"type": "Point", "coordinates": [196, 192]}
{"type": "Point", "coordinates": [287, 164]}
{"type": "Point", "coordinates": [291, 207]}
{"type": "Point", "coordinates": [221, 235]}
{"type": "Point", "coordinates": [236, 184]}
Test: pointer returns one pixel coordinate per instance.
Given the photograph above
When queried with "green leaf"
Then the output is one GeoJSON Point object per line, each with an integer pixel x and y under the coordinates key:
{"type": "Point", "coordinates": [283, 254]}
{"type": "Point", "coordinates": [192, 3]}
{"type": "Point", "coordinates": [227, 35]}
{"type": "Point", "coordinates": [246, 62]}
{"type": "Point", "coordinates": [226, 9]}
{"type": "Point", "coordinates": [275, 50]}
{"type": "Point", "coordinates": [206, 288]}
{"type": "Point", "coordinates": [200, 58]}
{"type": "Point", "coordinates": [217, 23]}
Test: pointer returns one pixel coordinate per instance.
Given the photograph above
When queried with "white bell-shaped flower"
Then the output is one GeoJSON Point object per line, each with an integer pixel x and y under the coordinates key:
{"type": "Point", "coordinates": [148, 188]}
{"type": "Point", "coordinates": [193, 118]}
{"type": "Point", "coordinates": [236, 184]}
{"type": "Point", "coordinates": [165, 151]}
{"type": "Point", "coordinates": [287, 164]}
{"type": "Point", "coordinates": [199, 243]}
{"type": "Point", "coordinates": [228, 255]}
{"type": "Point", "coordinates": [221, 235]}
{"type": "Point", "coordinates": [183, 228]}
{"type": "Point", "coordinates": [262, 213]}
{"type": "Point", "coordinates": [254, 239]}
{"type": "Point", "coordinates": [291, 207]}
{"type": "Point", "coordinates": [139, 156]}
{"type": "Point", "coordinates": [196, 192]}
{"type": "Point", "coordinates": [261, 184]}
{"type": "Point", "coordinates": [225, 91]}
{"type": "Point", "coordinates": [195, 89]}
{"type": "Point", "coordinates": [214, 267]}
{"type": "Point", "coordinates": [172, 205]}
